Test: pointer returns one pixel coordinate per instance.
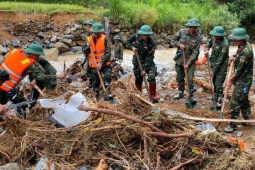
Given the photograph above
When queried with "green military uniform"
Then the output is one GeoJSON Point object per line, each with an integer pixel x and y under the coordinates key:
{"type": "Point", "coordinates": [146, 51]}
{"type": "Point", "coordinates": [106, 69]}
{"type": "Point", "coordinates": [218, 61]}
{"type": "Point", "coordinates": [243, 69]}
{"type": "Point", "coordinates": [88, 69]}
{"type": "Point", "coordinates": [192, 45]}
{"type": "Point", "coordinates": [117, 57]}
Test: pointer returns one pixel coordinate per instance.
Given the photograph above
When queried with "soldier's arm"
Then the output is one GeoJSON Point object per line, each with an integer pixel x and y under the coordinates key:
{"type": "Point", "coordinates": [130, 42]}
{"type": "Point", "coordinates": [38, 74]}
{"type": "Point", "coordinates": [107, 54]}
{"type": "Point", "coordinates": [220, 59]}
{"type": "Point", "coordinates": [149, 59]}
{"type": "Point", "coordinates": [195, 53]}
{"type": "Point", "coordinates": [209, 44]}
{"type": "Point", "coordinates": [49, 69]}
{"type": "Point", "coordinates": [121, 52]}
{"type": "Point", "coordinates": [176, 38]}
{"type": "Point", "coordinates": [240, 67]}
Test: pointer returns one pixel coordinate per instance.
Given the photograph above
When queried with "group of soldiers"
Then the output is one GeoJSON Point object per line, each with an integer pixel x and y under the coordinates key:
{"type": "Point", "coordinates": [188, 41]}
{"type": "Point", "coordinates": [99, 61]}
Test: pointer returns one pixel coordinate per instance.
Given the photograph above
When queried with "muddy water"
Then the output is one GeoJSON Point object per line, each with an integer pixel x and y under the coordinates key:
{"type": "Point", "coordinates": [163, 58]}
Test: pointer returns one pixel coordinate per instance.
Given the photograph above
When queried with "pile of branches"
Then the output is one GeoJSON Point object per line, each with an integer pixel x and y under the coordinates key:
{"type": "Point", "coordinates": [134, 134]}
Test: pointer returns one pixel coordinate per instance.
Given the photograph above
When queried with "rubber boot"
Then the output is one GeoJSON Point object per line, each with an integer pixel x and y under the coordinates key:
{"type": "Point", "coordinates": [191, 93]}
{"type": "Point", "coordinates": [152, 88]}
{"type": "Point", "coordinates": [96, 92]}
{"type": "Point", "coordinates": [139, 86]}
{"type": "Point", "coordinates": [246, 115]}
{"type": "Point", "coordinates": [180, 91]}
{"type": "Point", "coordinates": [232, 126]}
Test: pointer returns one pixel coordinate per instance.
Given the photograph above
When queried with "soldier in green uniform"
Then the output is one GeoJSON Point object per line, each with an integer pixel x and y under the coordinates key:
{"type": "Point", "coordinates": [241, 77]}
{"type": "Point", "coordinates": [189, 40]}
{"type": "Point", "coordinates": [88, 24]}
{"type": "Point", "coordinates": [117, 57]}
{"type": "Point", "coordinates": [145, 47]}
{"type": "Point", "coordinates": [99, 57]}
{"type": "Point", "coordinates": [3, 108]}
{"type": "Point", "coordinates": [40, 74]}
{"type": "Point", "coordinates": [35, 51]}
{"type": "Point", "coordinates": [218, 61]}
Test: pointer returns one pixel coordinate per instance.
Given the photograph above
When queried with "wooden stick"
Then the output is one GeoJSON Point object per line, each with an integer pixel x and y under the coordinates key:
{"type": "Point", "coordinates": [226, 88]}
{"type": "Point", "coordinates": [182, 164]}
{"type": "Point", "coordinates": [144, 78]}
{"type": "Point", "coordinates": [98, 71]}
{"type": "Point", "coordinates": [120, 114]}
{"type": "Point", "coordinates": [158, 162]}
{"type": "Point", "coordinates": [39, 90]}
{"type": "Point", "coordinates": [166, 135]}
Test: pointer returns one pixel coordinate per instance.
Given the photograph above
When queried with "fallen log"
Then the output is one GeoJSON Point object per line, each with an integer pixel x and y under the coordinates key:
{"type": "Point", "coordinates": [212, 119]}
{"type": "Point", "coordinates": [120, 114]}
{"type": "Point", "coordinates": [202, 83]}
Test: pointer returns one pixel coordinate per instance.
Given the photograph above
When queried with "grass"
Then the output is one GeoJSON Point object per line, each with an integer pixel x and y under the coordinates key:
{"type": "Point", "coordinates": [32, 8]}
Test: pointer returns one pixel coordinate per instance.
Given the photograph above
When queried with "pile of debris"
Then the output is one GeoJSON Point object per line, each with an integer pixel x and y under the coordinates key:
{"type": "Point", "coordinates": [133, 134]}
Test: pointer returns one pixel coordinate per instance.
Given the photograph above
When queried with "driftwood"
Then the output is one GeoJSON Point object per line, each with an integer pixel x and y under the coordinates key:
{"type": "Point", "coordinates": [157, 132]}
{"type": "Point", "coordinates": [202, 83]}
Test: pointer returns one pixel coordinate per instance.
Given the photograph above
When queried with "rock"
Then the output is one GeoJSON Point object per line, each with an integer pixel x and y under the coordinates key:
{"type": "Point", "coordinates": [77, 49]}
{"type": "Point", "coordinates": [160, 47]}
{"type": "Point", "coordinates": [1, 59]}
{"type": "Point", "coordinates": [200, 90]}
{"type": "Point", "coordinates": [3, 50]}
{"type": "Point", "coordinates": [66, 41]}
{"type": "Point", "coordinates": [11, 166]}
{"type": "Point", "coordinates": [67, 31]}
{"type": "Point", "coordinates": [61, 47]}
{"type": "Point", "coordinates": [54, 39]}
{"type": "Point", "coordinates": [163, 34]}
{"type": "Point", "coordinates": [40, 34]}
{"type": "Point", "coordinates": [69, 37]}
{"type": "Point", "coordinates": [51, 54]}
{"type": "Point", "coordinates": [78, 26]}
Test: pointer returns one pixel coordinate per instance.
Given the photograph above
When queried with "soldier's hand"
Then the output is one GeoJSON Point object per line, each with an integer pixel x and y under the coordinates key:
{"type": "Point", "coordinates": [211, 75]}
{"type": "Point", "coordinates": [206, 52]}
{"type": "Point", "coordinates": [232, 57]}
{"type": "Point", "coordinates": [186, 66]}
{"type": "Point", "coordinates": [99, 66]}
{"type": "Point", "coordinates": [143, 73]}
{"type": "Point", "coordinates": [88, 44]}
{"type": "Point", "coordinates": [228, 84]}
{"type": "Point", "coordinates": [134, 49]}
{"type": "Point", "coordinates": [182, 47]}
{"type": "Point", "coordinates": [61, 75]}
{"type": "Point", "coordinates": [32, 83]}
{"type": "Point", "coordinates": [10, 115]}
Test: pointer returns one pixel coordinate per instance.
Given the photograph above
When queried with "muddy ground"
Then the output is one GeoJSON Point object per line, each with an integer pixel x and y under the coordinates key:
{"type": "Point", "coordinates": [162, 57]}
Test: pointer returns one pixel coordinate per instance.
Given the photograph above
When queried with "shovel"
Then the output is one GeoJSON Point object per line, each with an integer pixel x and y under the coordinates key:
{"type": "Point", "coordinates": [226, 89]}
{"type": "Point", "coordinates": [144, 78]}
{"type": "Point", "coordinates": [101, 80]}
{"type": "Point", "coordinates": [189, 104]}
{"type": "Point", "coordinates": [65, 110]}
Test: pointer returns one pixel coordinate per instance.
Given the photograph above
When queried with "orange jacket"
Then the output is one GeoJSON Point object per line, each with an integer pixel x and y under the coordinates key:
{"type": "Point", "coordinates": [98, 49]}
{"type": "Point", "coordinates": [15, 64]}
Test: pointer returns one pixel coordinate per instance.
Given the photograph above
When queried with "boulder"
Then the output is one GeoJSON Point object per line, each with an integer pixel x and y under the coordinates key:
{"type": "Point", "coordinates": [51, 54]}
{"type": "Point", "coordinates": [61, 47]}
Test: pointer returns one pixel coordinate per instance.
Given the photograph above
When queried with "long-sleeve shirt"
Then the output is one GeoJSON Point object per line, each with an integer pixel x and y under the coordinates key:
{"type": "Point", "coordinates": [219, 56]}
{"type": "Point", "coordinates": [192, 44]}
{"type": "Point", "coordinates": [243, 66]}
{"type": "Point", "coordinates": [146, 50]}
{"type": "Point", "coordinates": [118, 51]}
{"type": "Point", "coordinates": [107, 54]}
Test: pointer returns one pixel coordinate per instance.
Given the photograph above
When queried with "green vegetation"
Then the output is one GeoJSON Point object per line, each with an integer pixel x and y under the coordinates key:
{"type": "Point", "coordinates": [152, 12]}
{"type": "Point", "coordinates": [30, 8]}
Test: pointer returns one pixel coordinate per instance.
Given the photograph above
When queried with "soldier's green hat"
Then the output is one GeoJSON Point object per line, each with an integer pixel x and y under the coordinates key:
{"type": "Point", "coordinates": [218, 31]}
{"type": "Point", "coordinates": [89, 22]}
{"type": "Point", "coordinates": [145, 30]}
{"type": "Point", "coordinates": [97, 28]}
{"type": "Point", "coordinates": [193, 22]}
{"type": "Point", "coordinates": [239, 34]}
{"type": "Point", "coordinates": [35, 49]}
{"type": "Point", "coordinates": [117, 37]}
{"type": "Point", "coordinates": [4, 75]}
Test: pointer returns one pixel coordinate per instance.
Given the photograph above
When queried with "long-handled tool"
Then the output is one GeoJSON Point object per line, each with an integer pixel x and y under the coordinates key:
{"type": "Point", "coordinates": [144, 78]}
{"type": "Point", "coordinates": [190, 104]}
{"type": "Point", "coordinates": [100, 76]}
{"type": "Point", "coordinates": [226, 89]}
{"type": "Point", "coordinates": [212, 86]}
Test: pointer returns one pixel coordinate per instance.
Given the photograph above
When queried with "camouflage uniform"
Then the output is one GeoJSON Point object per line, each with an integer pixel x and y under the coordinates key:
{"type": "Point", "coordinates": [117, 58]}
{"type": "Point", "coordinates": [88, 69]}
{"type": "Point", "coordinates": [192, 44]}
{"type": "Point", "coordinates": [146, 51]}
{"type": "Point", "coordinates": [243, 73]}
{"type": "Point", "coordinates": [219, 65]}
{"type": "Point", "coordinates": [106, 69]}
{"type": "Point", "coordinates": [44, 74]}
